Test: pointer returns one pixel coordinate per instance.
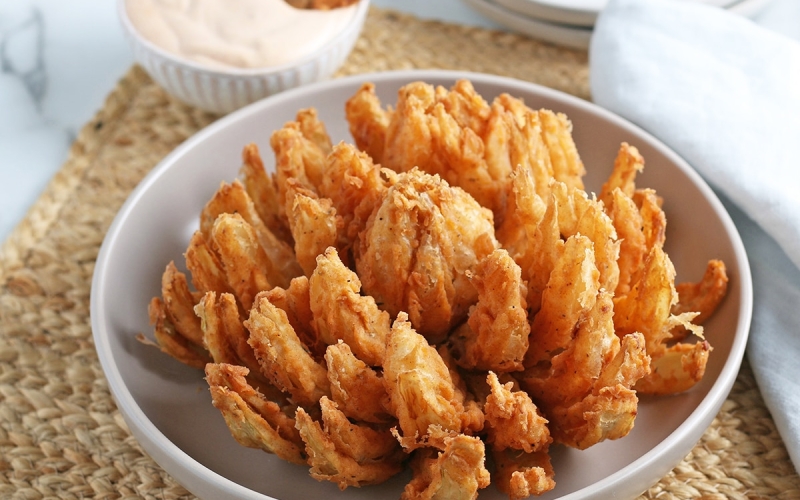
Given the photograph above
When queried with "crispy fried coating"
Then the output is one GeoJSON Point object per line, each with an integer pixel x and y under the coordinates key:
{"type": "Point", "coordinates": [495, 336]}
{"type": "Point", "coordinates": [313, 129]}
{"type": "Point", "coordinates": [214, 338]}
{"type": "Point", "coordinates": [513, 140]}
{"type": "Point", "coordinates": [520, 475]}
{"type": "Point", "coordinates": [272, 405]}
{"type": "Point", "coordinates": [457, 135]}
{"type": "Point", "coordinates": [439, 131]}
{"type": "Point", "coordinates": [430, 129]}
{"type": "Point", "coordinates": [582, 374]}
{"type": "Point", "coordinates": [539, 255]}
{"type": "Point", "coordinates": [368, 121]}
{"type": "Point", "coordinates": [458, 156]}
{"type": "Point", "coordinates": [478, 387]}
{"type": "Point", "coordinates": [557, 133]}
{"type": "Point", "coordinates": [461, 121]}
{"type": "Point", "coordinates": [356, 388]}
{"type": "Point", "coordinates": [247, 267]}
{"type": "Point", "coordinates": [364, 443]}
{"type": "Point", "coordinates": [473, 418]}
{"type": "Point", "coordinates": [604, 410]}
{"type": "Point", "coordinates": [702, 297]}
{"type": "Point", "coordinates": [355, 186]}
{"type": "Point", "coordinates": [457, 471]}
{"type": "Point", "coordinates": [224, 335]}
{"type": "Point", "coordinates": [617, 197]}
{"type": "Point", "coordinates": [678, 368]}
{"type": "Point", "coordinates": [609, 411]}
{"type": "Point", "coordinates": [422, 393]}
{"type": "Point", "coordinates": [609, 414]}
{"type": "Point", "coordinates": [298, 156]}
{"type": "Point", "coordinates": [283, 358]}
{"type": "Point", "coordinates": [571, 290]}
{"type": "Point", "coordinates": [418, 248]}
{"type": "Point", "coordinates": [169, 341]}
{"type": "Point", "coordinates": [233, 199]}
{"type": "Point", "coordinates": [205, 267]}
{"type": "Point", "coordinates": [628, 223]}
{"type": "Point", "coordinates": [345, 453]}
{"type": "Point", "coordinates": [313, 223]}
{"type": "Point", "coordinates": [263, 190]}
{"type": "Point", "coordinates": [636, 214]}
{"type": "Point", "coordinates": [628, 163]}
{"type": "Point", "coordinates": [296, 303]}
{"type": "Point", "coordinates": [254, 421]}
{"type": "Point", "coordinates": [654, 221]}
{"type": "Point", "coordinates": [409, 140]}
{"type": "Point", "coordinates": [647, 308]}
{"type": "Point", "coordinates": [525, 209]}
{"type": "Point", "coordinates": [342, 313]}
{"type": "Point", "coordinates": [630, 362]}
{"type": "Point", "coordinates": [179, 302]}
{"type": "Point", "coordinates": [580, 214]}
{"type": "Point", "coordinates": [513, 420]}
{"type": "Point", "coordinates": [467, 107]}
{"type": "Point", "coordinates": [568, 212]}
{"type": "Point", "coordinates": [177, 331]}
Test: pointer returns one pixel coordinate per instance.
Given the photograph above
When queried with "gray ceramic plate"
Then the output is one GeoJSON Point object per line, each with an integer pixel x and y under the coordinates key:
{"type": "Point", "coordinates": [167, 405]}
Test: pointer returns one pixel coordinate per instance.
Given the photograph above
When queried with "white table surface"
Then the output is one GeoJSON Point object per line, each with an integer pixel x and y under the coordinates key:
{"type": "Point", "coordinates": [59, 59]}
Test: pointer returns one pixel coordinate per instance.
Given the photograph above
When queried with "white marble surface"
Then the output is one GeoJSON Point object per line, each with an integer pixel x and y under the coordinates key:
{"type": "Point", "coordinates": [58, 61]}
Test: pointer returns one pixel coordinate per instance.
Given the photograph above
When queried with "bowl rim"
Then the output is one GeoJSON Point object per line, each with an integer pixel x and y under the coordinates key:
{"type": "Point", "coordinates": [358, 19]}
{"type": "Point", "coordinates": [148, 434]}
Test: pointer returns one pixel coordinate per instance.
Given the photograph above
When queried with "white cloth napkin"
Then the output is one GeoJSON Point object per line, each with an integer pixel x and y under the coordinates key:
{"type": "Point", "coordinates": [725, 94]}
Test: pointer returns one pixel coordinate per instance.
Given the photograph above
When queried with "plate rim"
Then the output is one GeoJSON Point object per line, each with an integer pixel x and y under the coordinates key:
{"type": "Point", "coordinates": [594, 7]}
{"type": "Point", "coordinates": [135, 415]}
{"type": "Point", "coordinates": [567, 26]}
{"type": "Point", "coordinates": [565, 35]}
{"type": "Point", "coordinates": [549, 12]}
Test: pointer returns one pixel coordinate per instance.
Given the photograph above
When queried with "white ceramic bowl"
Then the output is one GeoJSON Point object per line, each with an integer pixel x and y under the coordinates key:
{"type": "Point", "coordinates": [168, 407]}
{"type": "Point", "coordinates": [225, 90]}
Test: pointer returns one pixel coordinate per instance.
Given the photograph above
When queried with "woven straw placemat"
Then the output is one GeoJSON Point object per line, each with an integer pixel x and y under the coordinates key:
{"type": "Point", "coordinates": [61, 435]}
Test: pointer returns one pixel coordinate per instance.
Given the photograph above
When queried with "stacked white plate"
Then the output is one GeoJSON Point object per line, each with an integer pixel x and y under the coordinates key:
{"type": "Point", "coordinates": [570, 22]}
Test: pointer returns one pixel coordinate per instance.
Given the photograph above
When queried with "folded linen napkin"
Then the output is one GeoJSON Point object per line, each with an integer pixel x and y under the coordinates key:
{"type": "Point", "coordinates": [725, 94]}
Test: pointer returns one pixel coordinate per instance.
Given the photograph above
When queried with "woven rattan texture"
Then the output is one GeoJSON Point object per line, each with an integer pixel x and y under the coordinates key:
{"type": "Point", "coordinates": [60, 433]}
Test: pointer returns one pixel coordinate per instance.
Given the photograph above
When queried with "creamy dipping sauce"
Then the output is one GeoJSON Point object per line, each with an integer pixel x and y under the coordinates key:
{"type": "Point", "coordinates": [237, 33]}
